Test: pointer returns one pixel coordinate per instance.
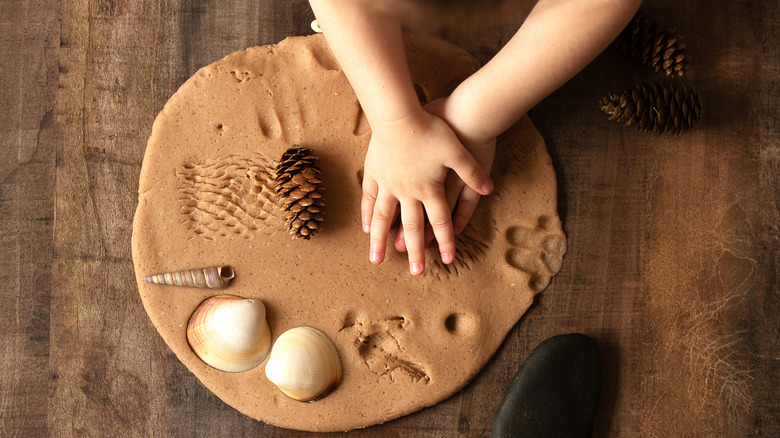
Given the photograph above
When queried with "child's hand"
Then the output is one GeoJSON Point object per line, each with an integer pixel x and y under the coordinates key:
{"type": "Point", "coordinates": [409, 158]}
{"type": "Point", "coordinates": [461, 198]}
{"type": "Point", "coordinates": [407, 163]}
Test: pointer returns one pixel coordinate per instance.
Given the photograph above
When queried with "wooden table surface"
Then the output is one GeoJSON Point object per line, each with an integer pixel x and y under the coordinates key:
{"type": "Point", "coordinates": [673, 262]}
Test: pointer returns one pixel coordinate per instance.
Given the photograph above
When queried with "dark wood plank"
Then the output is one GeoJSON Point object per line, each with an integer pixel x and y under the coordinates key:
{"type": "Point", "coordinates": [102, 349]}
{"type": "Point", "coordinates": [673, 241]}
{"type": "Point", "coordinates": [28, 83]}
{"type": "Point", "coordinates": [685, 228]}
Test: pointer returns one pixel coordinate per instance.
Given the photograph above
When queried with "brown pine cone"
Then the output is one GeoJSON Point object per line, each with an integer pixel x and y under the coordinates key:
{"type": "Point", "coordinates": [654, 45]}
{"type": "Point", "coordinates": [654, 108]}
{"type": "Point", "coordinates": [299, 187]}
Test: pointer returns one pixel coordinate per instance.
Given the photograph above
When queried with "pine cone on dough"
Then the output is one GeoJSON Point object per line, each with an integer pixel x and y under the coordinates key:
{"type": "Point", "coordinates": [299, 187]}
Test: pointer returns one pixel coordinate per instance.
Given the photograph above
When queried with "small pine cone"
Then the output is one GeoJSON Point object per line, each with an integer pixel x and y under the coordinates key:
{"type": "Point", "coordinates": [299, 187]}
{"type": "Point", "coordinates": [654, 108]}
{"type": "Point", "coordinates": [654, 45]}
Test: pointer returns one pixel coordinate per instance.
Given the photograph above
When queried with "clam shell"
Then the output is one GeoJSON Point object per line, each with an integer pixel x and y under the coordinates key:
{"type": "Point", "coordinates": [304, 364]}
{"type": "Point", "coordinates": [230, 333]}
{"type": "Point", "coordinates": [212, 277]}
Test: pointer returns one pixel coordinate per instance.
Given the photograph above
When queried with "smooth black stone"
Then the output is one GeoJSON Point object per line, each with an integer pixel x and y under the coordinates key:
{"type": "Point", "coordinates": [555, 393]}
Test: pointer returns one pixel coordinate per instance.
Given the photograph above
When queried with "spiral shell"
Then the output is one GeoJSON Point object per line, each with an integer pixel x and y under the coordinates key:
{"type": "Point", "coordinates": [213, 277]}
{"type": "Point", "coordinates": [304, 364]}
{"type": "Point", "coordinates": [230, 333]}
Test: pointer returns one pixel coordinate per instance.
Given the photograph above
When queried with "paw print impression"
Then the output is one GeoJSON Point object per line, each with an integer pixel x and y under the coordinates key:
{"type": "Point", "coordinates": [537, 251]}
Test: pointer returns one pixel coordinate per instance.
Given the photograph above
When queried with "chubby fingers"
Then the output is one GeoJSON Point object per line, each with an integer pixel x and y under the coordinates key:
{"type": "Point", "coordinates": [470, 171]}
{"type": "Point", "coordinates": [438, 211]}
{"type": "Point", "coordinates": [413, 222]}
{"type": "Point", "coordinates": [467, 203]}
{"type": "Point", "coordinates": [382, 218]}
{"type": "Point", "coordinates": [439, 226]}
{"type": "Point", "coordinates": [400, 240]}
{"type": "Point", "coordinates": [453, 188]}
{"type": "Point", "coordinates": [367, 202]}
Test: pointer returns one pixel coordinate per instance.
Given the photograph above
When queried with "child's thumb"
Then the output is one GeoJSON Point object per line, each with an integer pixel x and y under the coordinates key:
{"type": "Point", "coordinates": [469, 170]}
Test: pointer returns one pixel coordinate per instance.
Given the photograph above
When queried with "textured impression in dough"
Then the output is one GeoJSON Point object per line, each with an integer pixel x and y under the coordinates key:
{"type": "Point", "coordinates": [536, 251]}
{"type": "Point", "coordinates": [469, 251]}
{"type": "Point", "coordinates": [228, 195]}
{"type": "Point", "coordinates": [381, 348]}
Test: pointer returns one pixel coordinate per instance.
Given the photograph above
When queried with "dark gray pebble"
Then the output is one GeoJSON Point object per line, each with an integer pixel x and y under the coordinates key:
{"type": "Point", "coordinates": [555, 393]}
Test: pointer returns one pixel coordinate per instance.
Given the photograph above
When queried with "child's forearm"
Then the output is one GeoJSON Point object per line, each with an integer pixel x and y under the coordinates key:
{"type": "Point", "coordinates": [557, 40]}
{"type": "Point", "coordinates": [410, 151]}
{"type": "Point", "coordinates": [369, 47]}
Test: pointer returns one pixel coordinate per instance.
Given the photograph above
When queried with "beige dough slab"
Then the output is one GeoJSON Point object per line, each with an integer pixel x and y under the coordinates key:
{"type": "Point", "coordinates": [206, 199]}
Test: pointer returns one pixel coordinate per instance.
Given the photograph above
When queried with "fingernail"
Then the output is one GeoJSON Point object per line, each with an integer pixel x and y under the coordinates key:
{"type": "Point", "coordinates": [375, 256]}
{"type": "Point", "coordinates": [487, 187]}
{"type": "Point", "coordinates": [416, 268]}
{"type": "Point", "coordinates": [366, 227]}
{"type": "Point", "coordinates": [447, 258]}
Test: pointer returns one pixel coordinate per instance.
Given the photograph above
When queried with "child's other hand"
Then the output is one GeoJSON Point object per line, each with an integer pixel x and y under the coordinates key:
{"type": "Point", "coordinates": [461, 198]}
{"type": "Point", "coordinates": [482, 149]}
{"type": "Point", "coordinates": [407, 164]}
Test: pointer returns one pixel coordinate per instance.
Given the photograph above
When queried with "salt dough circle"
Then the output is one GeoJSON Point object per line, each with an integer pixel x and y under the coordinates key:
{"type": "Point", "coordinates": [206, 198]}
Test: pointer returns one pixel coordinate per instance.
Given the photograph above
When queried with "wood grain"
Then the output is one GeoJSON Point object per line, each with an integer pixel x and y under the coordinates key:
{"type": "Point", "coordinates": [673, 240]}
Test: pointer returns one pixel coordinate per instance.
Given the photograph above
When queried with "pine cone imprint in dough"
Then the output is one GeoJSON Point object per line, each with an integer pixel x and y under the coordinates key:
{"type": "Point", "coordinates": [228, 196]}
{"type": "Point", "coordinates": [469, 251]}
{"type": "Point", "coordinates": [299, 187]}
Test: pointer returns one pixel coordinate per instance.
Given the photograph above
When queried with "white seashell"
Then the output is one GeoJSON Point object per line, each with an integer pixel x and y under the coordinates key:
{"type": "Point", "coordinates": [304, 364]}
{"type": "Point", "coordinates": [230, 333]}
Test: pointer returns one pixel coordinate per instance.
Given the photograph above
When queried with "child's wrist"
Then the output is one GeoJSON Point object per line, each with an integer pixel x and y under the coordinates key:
{"type": "Point", "coordinates": [397, 118]}
{"type": "Point", "coordinates": [466, 123]}
{"type": "Point", "coordinates": [394, 113]}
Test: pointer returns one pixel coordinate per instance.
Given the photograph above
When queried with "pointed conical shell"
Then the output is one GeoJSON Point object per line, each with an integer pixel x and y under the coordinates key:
{"type": "Point", "coordinates": [304, 364]}
{"type": "Point", "coordinates": [213, 277]}
{"type": "Point", "coordinates": [230, 333]}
